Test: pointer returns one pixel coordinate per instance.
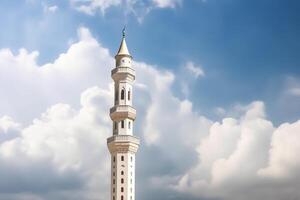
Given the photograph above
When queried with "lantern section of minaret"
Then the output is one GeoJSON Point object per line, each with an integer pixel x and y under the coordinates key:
{"type": "Point", "coordinates": [122, 144]}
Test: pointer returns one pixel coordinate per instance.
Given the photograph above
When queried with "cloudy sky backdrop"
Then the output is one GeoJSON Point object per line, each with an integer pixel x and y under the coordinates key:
{"type": "Point", "coordinates": [217, 95]}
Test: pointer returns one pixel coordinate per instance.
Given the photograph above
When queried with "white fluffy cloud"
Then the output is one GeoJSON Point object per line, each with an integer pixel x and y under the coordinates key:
{"type": "Point", "coordinates": [234, 155]}
{"type": "Point", "coordinates": [67, 142]}
{"type": "Point", "coordinates": [284, 161]}
{"type": "Point", "coordinates": [62, 153]}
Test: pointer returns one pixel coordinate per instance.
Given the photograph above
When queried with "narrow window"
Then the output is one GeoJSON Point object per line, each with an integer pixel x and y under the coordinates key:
{"type": "Point", "coordinates": [131, 158]}
{"type": "Point", "coordinates": [122, 180]}
{"type": "Point", "coordinates": [114, 158]}
{"type": "Point", "coordinates": [113, 197]}
{"type": "Point", "coordinates": [116, 124]}
{"type": "Point", "coordinates": [122, 172]}
{"type": "Point", "coordinates": [113, 190]}
{"type": "Point", "coordinates": [114, 174]}
{"type": "Point", "coordinates": [122, 158]}
{"type": "Point", "coordinates": [122, 94]}
{"type": "Point", "coordinates": [122, 189]}
{"type": "Point", "coordinates": [122, 124]}
{"type": "Point", "coordinates": [129, 95]}
{"type": "Point", "coordinates": [129, 125]}
{"type": "Point", "coordinates": [114, 181]}
{"type": "Point", "coordinates": [122, 198]}
{"type": "Point", "coordinates": [130, 197]}
{"type": "Point", "coordinates": [131, 181]}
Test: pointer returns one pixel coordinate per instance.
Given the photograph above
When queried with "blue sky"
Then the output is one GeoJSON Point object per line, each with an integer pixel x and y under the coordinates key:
{"type": "Point", "coordinates": [247, 48]}
{"type": "Point", "coordinates": [218, 83]}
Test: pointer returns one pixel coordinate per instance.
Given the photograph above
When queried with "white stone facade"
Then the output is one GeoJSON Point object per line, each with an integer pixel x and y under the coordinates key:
{"type": "Point", "coordinates": [123, 145]}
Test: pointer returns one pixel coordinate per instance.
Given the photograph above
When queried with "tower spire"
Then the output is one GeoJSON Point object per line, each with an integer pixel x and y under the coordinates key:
{"type": "Point", "coordinates": [123, 50]}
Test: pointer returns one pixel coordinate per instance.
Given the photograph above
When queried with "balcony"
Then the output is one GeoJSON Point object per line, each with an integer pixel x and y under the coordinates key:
{"type": "Point", "coordinates": [123, 138]}
{"type": "Point", "coordinates": [123, 144]}
{"type": "Point", "coordinates": [122, 111]}
{"type": "Point", "coordinates": [119, 73]}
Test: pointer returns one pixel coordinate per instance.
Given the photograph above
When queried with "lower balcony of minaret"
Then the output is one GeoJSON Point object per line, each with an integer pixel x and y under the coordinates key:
{"type": "Point", "coordinates": [123, 144]}
{"type": "Point", "coordinates": [122, 111]}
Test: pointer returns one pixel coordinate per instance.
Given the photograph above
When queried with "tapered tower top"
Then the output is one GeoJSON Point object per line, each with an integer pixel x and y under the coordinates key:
{"type": "Point", "coordinates": [123, 50]}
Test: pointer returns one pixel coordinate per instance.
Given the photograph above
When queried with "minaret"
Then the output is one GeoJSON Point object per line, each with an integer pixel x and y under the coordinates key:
{"type": "Point", "coordinates": [123, 145]}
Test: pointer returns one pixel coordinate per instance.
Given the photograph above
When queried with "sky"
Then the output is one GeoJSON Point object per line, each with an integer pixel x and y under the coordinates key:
{"type": "Point", "coordinates": [217, 95]}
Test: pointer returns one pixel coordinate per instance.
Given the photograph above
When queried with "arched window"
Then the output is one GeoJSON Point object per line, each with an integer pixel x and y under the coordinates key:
{"type": "Point", "coordinates": [122, 172]}
{"type": "Point", "coordinates": [122, 180]}
{"type": "Point", "coordinates": [122, 158]}
{"type": "Point", "coordinates": [122, 94]}
{"type": "Point", "coordinates": [122, 198]}
{"type": "Point", "coordinates": [128, 95]}
{"type": "Point", "coordinates": [122, 189]}
{"type": "Point", "coordinates": [122, 124]}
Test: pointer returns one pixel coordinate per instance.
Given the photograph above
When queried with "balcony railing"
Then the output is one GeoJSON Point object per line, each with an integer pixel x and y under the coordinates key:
{"type": "Point", "coordinates": [123, 138]}
{"type": "Point", "coordinates": [128, 70]}
{"type": "Point", "coordinates": [123, 108]}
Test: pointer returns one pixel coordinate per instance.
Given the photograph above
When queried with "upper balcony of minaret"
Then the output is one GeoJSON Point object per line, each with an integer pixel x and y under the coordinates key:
{"type": "Point", "coordinates": [123, 73]}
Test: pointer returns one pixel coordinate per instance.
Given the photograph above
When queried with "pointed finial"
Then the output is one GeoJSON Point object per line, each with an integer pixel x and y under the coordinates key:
{"type": "Point", "coordinates": [123, 31]}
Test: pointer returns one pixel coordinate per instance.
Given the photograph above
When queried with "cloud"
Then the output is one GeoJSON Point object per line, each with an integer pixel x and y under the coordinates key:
{"type": "Point", "coordinates": [60, 81]}
{"type": "Point", "coordinates": [294, 91]}
{"type": "Point", "coordinates": [91, 6]}
{"type": "Point", "coordinates": [197, 71]}
{"type": "Point", "coordinates": [67, 142]}
{"type": "Point", "coordinates": [167, 3]}
{"type": "Point", "coordinates": [53, 8]}
{"type": "Point", "coordinates": [138, 8]}
{"type": "Point", "coordinates": [62, 153]}
{"type": "Point", "coordinates": [292, 86]}
{"type": "Point", "coordinates": [233, 157]}
{"type": "Point", "coordinates": [284, 161]}
{"type": "Point", "coordinates": [50, 155]}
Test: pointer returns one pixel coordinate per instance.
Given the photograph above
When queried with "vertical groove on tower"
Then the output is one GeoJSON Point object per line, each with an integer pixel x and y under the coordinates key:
{"type": "Point", "coordinates": [123, 145]}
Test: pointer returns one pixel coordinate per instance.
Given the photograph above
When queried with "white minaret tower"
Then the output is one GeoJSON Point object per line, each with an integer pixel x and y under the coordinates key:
{"type": "Point", "coordinates": [123, 145]}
